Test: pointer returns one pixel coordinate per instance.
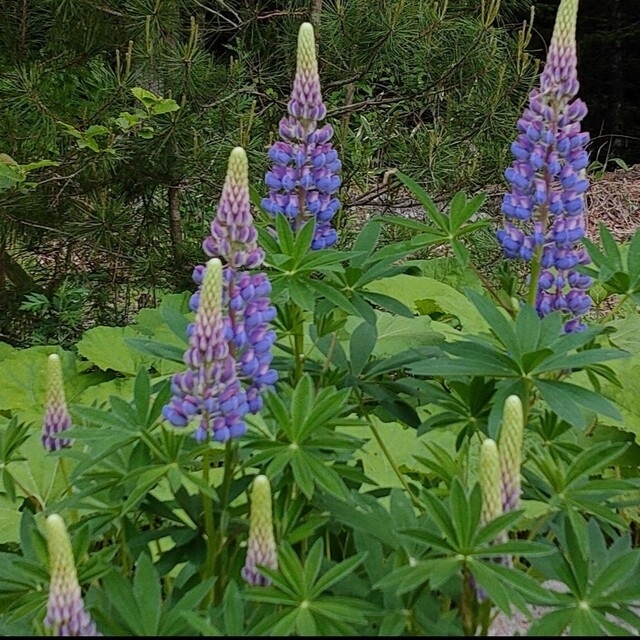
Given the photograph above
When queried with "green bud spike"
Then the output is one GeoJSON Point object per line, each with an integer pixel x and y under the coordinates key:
{"type": "Point", "coordinates": [510, 447]}
{"type": "Point", "coordinates": [66, 615]}
{"type": "Point", "coordinates": [261, 547]}
{"type": "Point", "coordinates": [490, 482]}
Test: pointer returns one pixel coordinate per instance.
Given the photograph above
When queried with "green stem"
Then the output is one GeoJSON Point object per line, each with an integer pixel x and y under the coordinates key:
{"type": "Point", "coordinates": [536, 261]}
{"type": "Point", "coordinates": [298, 343]}
{"type": "Point", "coordinates": [221, 533]}
{"type": "Point", "coordinates": [535, 276]}
{"type": "Point", "coordinates": [332, 346]}
{"type": "Point", "coordinates": [387, 454]}
{"type": "Point", "coordinates": [615, 309]}
{"type": "Point", "coordinates": [207, 504]}
{"type": "Point", "coordinates": [467, 602]}
{"type": "Point", "coordinates": [65, 475]}
{"type": "Point", "coordinates": [490, 288]}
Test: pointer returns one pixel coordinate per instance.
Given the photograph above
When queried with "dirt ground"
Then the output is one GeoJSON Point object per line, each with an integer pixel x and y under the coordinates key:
{"type": "Point", "coordinates": [613, 198]}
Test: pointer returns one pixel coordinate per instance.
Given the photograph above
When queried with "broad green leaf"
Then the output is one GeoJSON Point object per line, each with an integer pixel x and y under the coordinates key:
{"type": "Point", "coordinates": [411, 289]}
{"type": "Point", "coordinates": [106, 347]}
{"type": "Point", "coordinates": [556, 392]}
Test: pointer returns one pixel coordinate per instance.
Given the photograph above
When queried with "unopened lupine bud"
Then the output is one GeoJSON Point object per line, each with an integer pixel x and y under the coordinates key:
{"type": "Point", "coordinates": [56, 414]}
{"type": "Point", "coordinates": [510, 447]}
{"type": "Point", "coordinates": [261, 546]}
{"type": "Point", "coordinates": [233, 234]}
{"type": "Point", "coordinates": [66, 615]}
{"type": "Point", "coordinates": [303, 180]}
{"type": "Point", "coordinates": [544, 212]}
{"type": "Point", "coordinates": [490, 481]}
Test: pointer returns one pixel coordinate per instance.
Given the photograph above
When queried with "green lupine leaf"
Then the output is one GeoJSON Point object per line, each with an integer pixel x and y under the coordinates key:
{"type": "Point", "coordinates": [363, 340]}
{"type": "Point", "coordinates": [303, 240]}
{"type": "Point", "coordinates": [146, 591]}
{"type": "Point", "coordinates": [335, 574]}
{"type": "Point", "coordinates": [199, 624]}
{"type": "Point", "coordinates": [388, 303]}
{"type": "Point", "coordinates": [441, 517]}
{"type": "Point", "coordinates": [501, 596]}
{"type": "Point", "coordinates": [333, 295]}
{"type": "Point", "coordinates": [149, 347]}
{"type": "Point", "coordinates": [285, 234]}
{"type": "Point", "coordinates": [429, 538]}
{"type": "Point", "coordinates": [615, 574]}
{"type": "Point", "coordinates": [552, 624]}
{"type": "Point", "coordinates": [301, 293]}
{"type": "Point", "coordinates": [594, 458]}
{"type": "Point", "coordinates": [342, 608]}
{"type": "Point", "coordinates": [312, 566]}
{"type": "Point", "coordinates": [528, 328]}
{"type": "Point", "coordinates": [425, 200]}
{"type": "Point", "coordinates": [578, 360]}
{"type": "Point", "coordinates": [404, 579]}
{"type": "Point", "coordinates": [633, 259]}
{"type": "Point", "coordinates": [302, 402]}
{"type": "Point", "coordinates": [323, 475]}
{"type": "Point", "coordinates": [465, 518]}
{"type": "Point", "coordinates": [365, 242]}
{"type": "Point", "coordinates": [578, 395]}
{"type": "Point", "coordinates": [301, 473]}
{"type": "Point", "coordinates": [500, 325]}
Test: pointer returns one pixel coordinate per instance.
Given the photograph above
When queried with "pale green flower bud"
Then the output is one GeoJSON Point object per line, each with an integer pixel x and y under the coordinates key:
{"type": "Point", "coordinates": [490, 482]}
{"type": "Point", "coordinates": [510, 446]}
{"type": "Point", "coordinates": [56, 414]}
{"type": "Point", "coordinates": [261, 548]}
{"type": "Point", "coordinates": [66, 615]}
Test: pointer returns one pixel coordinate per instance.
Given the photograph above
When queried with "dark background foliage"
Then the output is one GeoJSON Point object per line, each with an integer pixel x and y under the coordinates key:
{"type": "Point", "coordinates": [434, 93]}
{"type": "Point", "coordinates": [608, 62]}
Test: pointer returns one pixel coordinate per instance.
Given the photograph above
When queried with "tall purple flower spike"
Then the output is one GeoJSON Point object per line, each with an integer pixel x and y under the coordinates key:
{"type": "Point", "coordinates": [229, 355]}
{"type": "Point", "coordinates": [209, 388]}
{"type": "Point", "coordinates": [303, 180]}
{"type": "Point", "coordinates": [544, 212]}
{"type": "Point", "coordinates": [56, 415]}
{"type": "Point", "coordinates": [66, 615]}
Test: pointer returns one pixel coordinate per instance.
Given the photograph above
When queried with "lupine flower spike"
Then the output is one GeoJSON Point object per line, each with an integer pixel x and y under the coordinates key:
{"type": "Point", "coordinates": [510, 447]}
{"type": "Point", "coordinates": [229, 355]}
{"type": "Point", "coordinates": [56, 414]}
{"type": "Point", "coordinates": [66, 615]}
{"type": "Point", "coordinates": [491, 489]}
{"type": "Point", "coordinates": [210, 387]}
{"type": "Point", "coordinates": [544, 211]}
{"type": "Point", "coordinates": [261, 547]}
{"type": "Point", "coordinates": [303, 181]}
{"type": "Point", "coordinates": [490, 481]}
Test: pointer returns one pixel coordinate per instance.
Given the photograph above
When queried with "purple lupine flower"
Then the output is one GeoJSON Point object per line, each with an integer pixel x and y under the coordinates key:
{"type": "Point", "coordinates": [209, 388]}
{"type": "Point", "coordinates": [544, 212]}
{"type": "Point", "coordinates": [248, 310]}
{"type": "Point", "coordinates": [303, 181]}
{"type": "Point", "coordinates": [223, 397]}
{"type": "Point", "coordinates": [261, 546]}
{"type": "Point", "coordinates": [66, 615]}
{"type": "Point", "coordinates": [510, 446]}
{"type": "Point", "coordinates": [56, 414]}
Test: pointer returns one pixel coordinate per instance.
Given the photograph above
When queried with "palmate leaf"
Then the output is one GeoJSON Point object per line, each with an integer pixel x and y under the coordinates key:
{"type": "Point", "coordinates": [567, 400]}
{"type": "Point", "coordinates": [410, 577]}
